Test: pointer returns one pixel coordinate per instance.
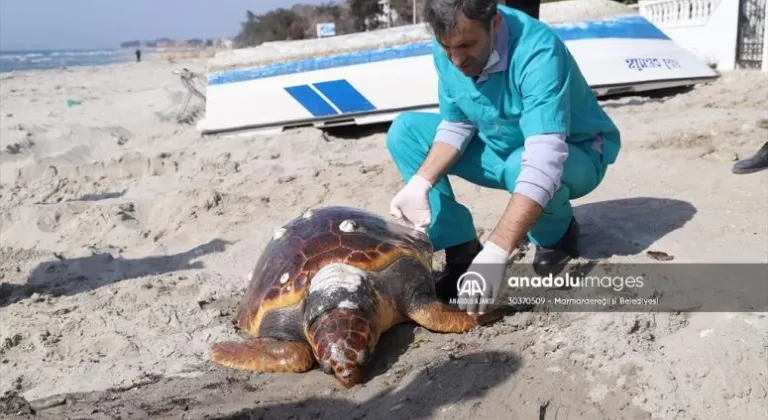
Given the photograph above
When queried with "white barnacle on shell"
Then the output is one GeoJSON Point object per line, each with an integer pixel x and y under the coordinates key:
{"type": "Point", "coordinates": [348, 226]}
{"type": "Point", "coordinates": [279, 232]}
{"type": "Point", "coordinates": [337, 276]}
{"type": "Point", "coordinates": [308, 214]}
{"type": "Point", "coordinates": [284, 278]}
{"type": "Point", "coordinates": [347, 304]}
{"type": "Point", "coordinates": [337, 353]}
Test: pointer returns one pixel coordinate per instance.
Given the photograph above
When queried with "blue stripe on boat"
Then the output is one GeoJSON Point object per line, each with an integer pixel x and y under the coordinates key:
{"type": "Point", "coordinates": [344, 96]}
{"type": "Point", "coordinates": [311, 101]}
{"type": "Point", "coordinates": [624, 27]}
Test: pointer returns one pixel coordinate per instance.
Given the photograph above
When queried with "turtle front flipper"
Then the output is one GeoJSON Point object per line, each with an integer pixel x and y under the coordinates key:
{"type": "Point", "coordinates": [435, 315]}
{"type": "Point", "coordinates": [265, 355]}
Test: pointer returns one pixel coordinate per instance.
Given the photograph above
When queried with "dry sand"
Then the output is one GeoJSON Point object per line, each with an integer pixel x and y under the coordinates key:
{"type": "Point", "coordinates": [126, 238]}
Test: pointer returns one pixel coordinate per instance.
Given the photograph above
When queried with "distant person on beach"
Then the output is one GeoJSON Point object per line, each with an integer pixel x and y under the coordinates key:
{"type": "Point", "coordinates": [754, 163]}
{"type": "Point", "coordinates": [138, 55]}
{"type": "Point", "coordinates": [516, 114]}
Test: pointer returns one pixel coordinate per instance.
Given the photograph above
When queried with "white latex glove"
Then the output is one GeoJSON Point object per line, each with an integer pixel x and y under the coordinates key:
{"type": "Point", "coordinates": [411, 204]}
{"type": "Point", "coordinates": [487, 270]}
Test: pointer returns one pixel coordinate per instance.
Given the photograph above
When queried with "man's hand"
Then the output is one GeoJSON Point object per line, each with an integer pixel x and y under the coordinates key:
{"type": "Point", "coordinates": [521, 213]}
{"type": "Point", "coordinates": [490, 265]}
{"type": "Point", "coordinates": [411, 204]}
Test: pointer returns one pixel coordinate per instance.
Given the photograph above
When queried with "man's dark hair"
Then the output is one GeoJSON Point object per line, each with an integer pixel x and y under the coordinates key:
{"type": "Point", "coordinates": [440, 15]}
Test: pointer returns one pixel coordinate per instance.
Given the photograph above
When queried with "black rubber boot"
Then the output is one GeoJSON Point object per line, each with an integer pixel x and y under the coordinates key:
{"type": "Point", "coordinates": [553, 259]}
{"type": "Point", "coordinates": [754, 163]}
{"type": "Point", "coordinates": [457, 261]}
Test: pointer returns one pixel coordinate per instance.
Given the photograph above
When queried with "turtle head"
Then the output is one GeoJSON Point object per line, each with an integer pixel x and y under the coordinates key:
{"type": "Point", "coordinates": [342, 340]}
{"type": "Point", "coordinates": [341, 314]}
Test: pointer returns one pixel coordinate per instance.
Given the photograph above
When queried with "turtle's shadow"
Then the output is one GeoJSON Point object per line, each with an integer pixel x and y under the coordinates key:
{"type": "Point", "coordinates": [392, 344]}
{"type": "Point", "coordinates": [471, 377]}
{"type": "Point", "coordinates": [65, 276]}
{"type": "Point", "coordinates": [425, 392]}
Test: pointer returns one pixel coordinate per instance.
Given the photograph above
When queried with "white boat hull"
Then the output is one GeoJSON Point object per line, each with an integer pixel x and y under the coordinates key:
{"type": "Point", "coordinates": [623, 54]}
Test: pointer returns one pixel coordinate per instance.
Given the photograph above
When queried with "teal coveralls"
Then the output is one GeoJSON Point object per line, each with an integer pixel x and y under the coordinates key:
{"type": "Point", "coordinates": [536, 88]}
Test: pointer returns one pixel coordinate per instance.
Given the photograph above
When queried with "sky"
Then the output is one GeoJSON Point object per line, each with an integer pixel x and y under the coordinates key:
{"type": "Point", "coordinates": [85, 24]}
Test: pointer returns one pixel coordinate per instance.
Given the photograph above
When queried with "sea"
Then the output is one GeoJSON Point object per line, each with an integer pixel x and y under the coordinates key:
{"type": "Point", "coordinates": [54, 59]}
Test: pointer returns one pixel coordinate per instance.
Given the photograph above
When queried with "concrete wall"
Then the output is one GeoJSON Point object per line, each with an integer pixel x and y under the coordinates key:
{"type": "Point", "coordinates": [707, 28]}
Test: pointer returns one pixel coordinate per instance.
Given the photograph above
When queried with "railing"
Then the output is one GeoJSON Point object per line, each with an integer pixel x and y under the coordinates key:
{"type": "Point", "coordinates": [678, 11]}
{"type": "Point", "coordinates": [709, 28]}
{"type": "Point", "coordinates": [194, 82]}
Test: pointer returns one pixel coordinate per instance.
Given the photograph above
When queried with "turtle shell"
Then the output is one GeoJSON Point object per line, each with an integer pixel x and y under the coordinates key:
{"type": "Point", "coordinates": [319, 237]}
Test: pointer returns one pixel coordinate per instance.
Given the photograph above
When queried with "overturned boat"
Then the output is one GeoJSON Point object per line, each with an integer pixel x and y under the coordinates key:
{"type": "Point", "coordinates": [371, 77]}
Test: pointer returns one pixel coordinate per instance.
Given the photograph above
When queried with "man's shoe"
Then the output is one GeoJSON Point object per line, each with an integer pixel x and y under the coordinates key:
{"type": "Point", "coordinates": [457, 261]}
{"type": "Point", "coordinates": [553, 259]}
{"type": "Point", "coordinates": [754, 163]}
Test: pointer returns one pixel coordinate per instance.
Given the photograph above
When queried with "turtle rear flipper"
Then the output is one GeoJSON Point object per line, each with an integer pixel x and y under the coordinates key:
{"type": "Point", "coordinates": [265, 355]}
{"type": "Point", "coordinates": [435, 315]}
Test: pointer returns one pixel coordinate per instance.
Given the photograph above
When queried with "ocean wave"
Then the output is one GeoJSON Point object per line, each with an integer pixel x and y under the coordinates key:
{"type": "Point", "coordinates": [43, 60]}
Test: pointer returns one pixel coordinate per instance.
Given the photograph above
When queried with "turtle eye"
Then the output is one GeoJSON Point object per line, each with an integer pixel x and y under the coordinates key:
{"type": "Point", "coordinates": [326, 367]}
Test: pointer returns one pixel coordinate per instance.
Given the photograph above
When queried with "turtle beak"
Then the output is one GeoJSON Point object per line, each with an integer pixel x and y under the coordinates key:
{"type": "Point", "coordinates": [348, 377]}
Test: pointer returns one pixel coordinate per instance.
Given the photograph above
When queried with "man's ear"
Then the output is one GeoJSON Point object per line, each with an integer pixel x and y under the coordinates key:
{"type": "Point", "coordinates": [496, 21]}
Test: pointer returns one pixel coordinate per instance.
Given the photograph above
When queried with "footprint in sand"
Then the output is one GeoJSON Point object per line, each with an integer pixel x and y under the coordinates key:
{"type": "Point", "coordinates": [49, 221]}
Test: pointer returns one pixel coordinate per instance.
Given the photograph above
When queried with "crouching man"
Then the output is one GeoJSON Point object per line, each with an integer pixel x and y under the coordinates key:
{"type": "Point", "coordinates": [516, 114]}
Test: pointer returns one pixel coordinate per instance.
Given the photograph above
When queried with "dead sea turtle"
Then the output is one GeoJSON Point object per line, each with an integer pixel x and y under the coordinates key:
{"type": "Point", "coordinates": [327, 286]}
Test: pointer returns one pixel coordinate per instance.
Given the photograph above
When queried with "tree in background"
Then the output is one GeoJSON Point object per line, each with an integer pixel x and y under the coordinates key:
{"type": "Point", "coordinates": [300, 21]}
{"type": "Point", "coordinates": [404, 9]}
{"type": "Point", "coordinates": [248, 31]}
{"type": "Point", "coordinates": [365, 14]}
{"type": "Point", "coordinates": [276, 25]}
{"type": "Point", "coordinates": [328, 12]}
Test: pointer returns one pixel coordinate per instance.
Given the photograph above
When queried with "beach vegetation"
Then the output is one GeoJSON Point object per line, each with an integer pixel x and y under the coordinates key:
{"type": "Point", "coordinates": [348, 16]}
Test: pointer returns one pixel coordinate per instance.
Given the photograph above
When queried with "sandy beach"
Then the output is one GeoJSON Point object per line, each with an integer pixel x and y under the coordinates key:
{"type": "Point", "coordinates": [126, 240]}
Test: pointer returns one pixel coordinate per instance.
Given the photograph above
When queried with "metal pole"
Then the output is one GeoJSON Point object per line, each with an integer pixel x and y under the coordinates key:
{"type": "Point", "coordinates": [414, 12]}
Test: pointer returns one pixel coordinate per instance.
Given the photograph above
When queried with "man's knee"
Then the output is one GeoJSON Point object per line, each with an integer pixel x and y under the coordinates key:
{"type": "Point", "coordinates": [400, 133]}
{"type": "Point", "coordinates": [580, 172]}
{"type": "Point", "coordinates": [412, 132]}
